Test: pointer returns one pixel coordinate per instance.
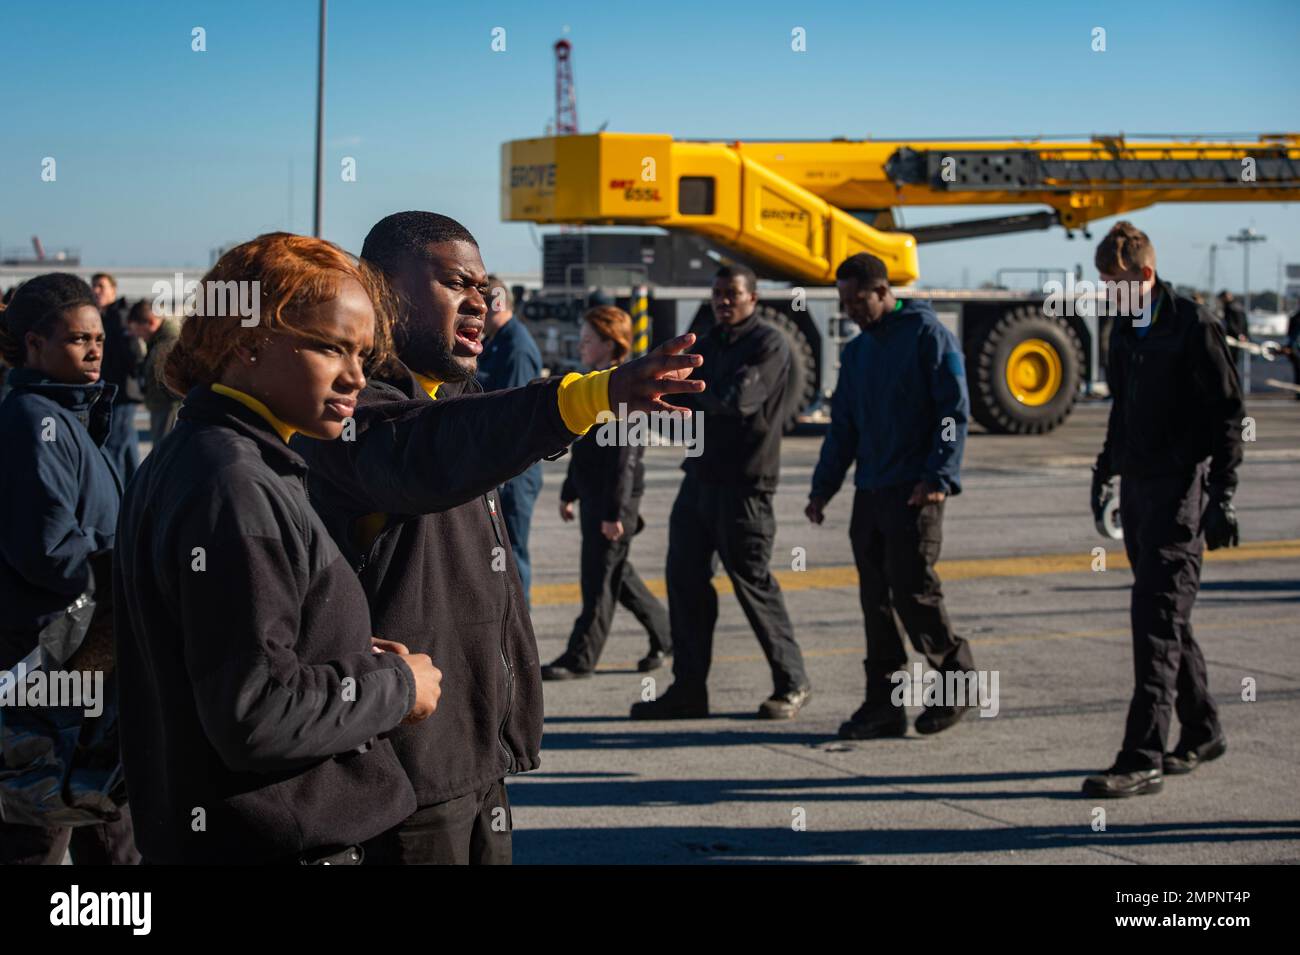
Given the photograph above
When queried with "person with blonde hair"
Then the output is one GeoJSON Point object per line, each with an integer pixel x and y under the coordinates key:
{"type": "Point", "coordinates": [1174, 440]}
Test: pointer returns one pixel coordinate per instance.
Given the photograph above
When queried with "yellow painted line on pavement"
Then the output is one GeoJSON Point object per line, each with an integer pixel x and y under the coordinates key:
{"type": "Point", "coordinates": [846, 575]}
{"type": "Point", "coordinates": [1233, 626]}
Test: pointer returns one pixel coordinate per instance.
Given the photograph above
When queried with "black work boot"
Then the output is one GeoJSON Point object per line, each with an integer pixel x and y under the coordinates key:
{"type": "Point", "coordinates": [785, 706]}
{"type": "Point", "coordinates": [1184, 759]}
{"type": "Point", "coordinates": [936, 719]}
{"type": "Point", "coordinates": [653, 661]}
{"type": "Point", "coordinates": [677, 703]}
{"type": "Point", "coordinates": [564, 668]}
{"type": "Point", "coordinates": [875, 721]}
{"type": "Point", "coordinates": [1120, 783]}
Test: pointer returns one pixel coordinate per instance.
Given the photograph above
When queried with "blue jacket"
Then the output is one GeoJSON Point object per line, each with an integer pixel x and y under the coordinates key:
{"type": "Point", "coordinates": [59, 499]}
{"type": "Point", "coordinates": [900, 407]}
{"type": "Point", "coordinates": [511, 360]}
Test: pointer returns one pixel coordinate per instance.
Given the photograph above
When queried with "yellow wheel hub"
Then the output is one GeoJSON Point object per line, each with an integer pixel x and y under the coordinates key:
{"type": "Point", "coordinates": [1034, 372]}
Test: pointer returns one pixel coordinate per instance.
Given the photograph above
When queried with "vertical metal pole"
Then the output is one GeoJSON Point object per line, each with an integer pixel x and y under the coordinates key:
{"type": "Point", "coordinates": [1245, 355]}
{"type": "Point", "coordinates": [318, 216]}
{"type": "Point", "coordinates": [1245, 275]}
{"type": "Point", "coordinates": [1214, 249]}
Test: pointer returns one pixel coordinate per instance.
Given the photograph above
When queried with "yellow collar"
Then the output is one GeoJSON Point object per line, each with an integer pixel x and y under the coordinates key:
{"type": "Point", "coordinates": [430, 385]}
{"type": "Point", "coordinates": [283, 430]}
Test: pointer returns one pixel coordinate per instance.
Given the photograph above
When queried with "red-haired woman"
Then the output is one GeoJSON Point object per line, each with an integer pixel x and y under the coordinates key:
{"type": "Point", "coordinates": [609, 481]}
{"type": "Point", "coordinates": [254, 702]}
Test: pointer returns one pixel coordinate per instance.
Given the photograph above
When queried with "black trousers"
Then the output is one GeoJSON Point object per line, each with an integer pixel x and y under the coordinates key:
{"type": "Point", "coordinates": [895, 547]}
{"type": "Point", "coordinates": [110, 843]}
{"type": "Point", "coordinates": [735, 524]}
{"type": "Point", "coordinates": [608, 578]}
{"type": "Point", "coordinates": [1162, 536]}
{"type": "Point", "coordinates": [473, 829]}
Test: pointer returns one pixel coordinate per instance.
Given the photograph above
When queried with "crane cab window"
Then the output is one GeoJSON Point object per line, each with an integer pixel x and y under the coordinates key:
{"type": "Point", "coordinates": [695, 195]}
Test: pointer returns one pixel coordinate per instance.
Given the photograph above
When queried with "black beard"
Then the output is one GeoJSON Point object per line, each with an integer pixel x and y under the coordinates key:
{"type": "Point", "coordinates": [434, 359]}
{"type": "Point", "coordinates": [424, 350]}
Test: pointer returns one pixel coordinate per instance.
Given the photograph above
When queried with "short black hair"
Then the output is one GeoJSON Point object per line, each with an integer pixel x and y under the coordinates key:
{"type": "Point", "coordinates": [863, 268]}
{"type": "Point", "coordinates": [397, 238]}
{"type": "Point", "coordinates": [141, 311]}
{"type": "Point", "coordinates": [35, 307]}
{"type": "Point", "coordinates": [737, 271]}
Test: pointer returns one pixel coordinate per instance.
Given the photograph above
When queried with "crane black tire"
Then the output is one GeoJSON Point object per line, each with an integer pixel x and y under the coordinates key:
{"type": "Point", "coordinates": [801, 381]}
{"type": "Point", "coordinates": [992, 403]}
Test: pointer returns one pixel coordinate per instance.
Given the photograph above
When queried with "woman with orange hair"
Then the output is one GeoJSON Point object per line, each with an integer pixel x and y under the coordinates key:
{"type": "Point", "coordinates": [609, 481]}
{"type": "Point", "coordinates": [254, 699]}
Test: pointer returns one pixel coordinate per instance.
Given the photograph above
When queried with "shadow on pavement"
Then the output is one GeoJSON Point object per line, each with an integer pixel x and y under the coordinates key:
{"type": "Point", "coordinates": [703, 792]}
{"type": "Point", "coordinates": [1254, 586]}
{"type": "Point", "coordinates": [688, 844]}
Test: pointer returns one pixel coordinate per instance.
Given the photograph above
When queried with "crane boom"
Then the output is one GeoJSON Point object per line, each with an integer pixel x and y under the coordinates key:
{"type": "Point", "coordinates": [798, 208]}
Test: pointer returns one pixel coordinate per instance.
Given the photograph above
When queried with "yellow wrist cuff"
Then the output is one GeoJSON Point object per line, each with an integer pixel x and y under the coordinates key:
{"type": "Point", "coordinates": [582, 398]}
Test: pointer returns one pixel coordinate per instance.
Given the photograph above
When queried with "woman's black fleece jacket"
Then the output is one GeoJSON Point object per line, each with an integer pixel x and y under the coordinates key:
{"type": "Point", "coordinates": [251, 702]}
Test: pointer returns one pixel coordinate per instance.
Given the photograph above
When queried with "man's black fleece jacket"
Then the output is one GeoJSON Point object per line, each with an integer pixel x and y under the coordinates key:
{"type": "Point", "coordinates": [440, 577]}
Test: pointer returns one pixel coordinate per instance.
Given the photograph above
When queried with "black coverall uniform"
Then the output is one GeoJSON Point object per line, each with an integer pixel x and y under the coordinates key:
{"type": "Point", "coordinates": [724, 507]}
{"type": "Point", "coordinates": [609, 480]}
{"type": "Point", "coordinates": [1174, 436]}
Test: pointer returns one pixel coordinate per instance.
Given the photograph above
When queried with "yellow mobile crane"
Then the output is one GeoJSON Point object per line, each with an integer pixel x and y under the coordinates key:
{"type": "Point", "coordinates": [794, 210]}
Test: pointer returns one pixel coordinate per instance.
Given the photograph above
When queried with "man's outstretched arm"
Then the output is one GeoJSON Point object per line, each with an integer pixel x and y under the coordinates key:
{"type": "Point", "coordinates": [419, 457]}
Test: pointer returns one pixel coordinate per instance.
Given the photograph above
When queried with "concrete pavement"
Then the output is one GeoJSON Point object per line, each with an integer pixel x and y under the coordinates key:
{"type": "Point", "coordinates": [1018, 559]}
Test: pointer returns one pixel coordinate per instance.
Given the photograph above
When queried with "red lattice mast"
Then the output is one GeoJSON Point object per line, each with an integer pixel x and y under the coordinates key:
{"type": "Point", "coordinates": [566, 95]}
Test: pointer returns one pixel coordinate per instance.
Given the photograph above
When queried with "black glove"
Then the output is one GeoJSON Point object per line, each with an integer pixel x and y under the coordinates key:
{"type": "Point", "coordinates": [1100, 488]}
{"type": "Point", "coordinates": [1220, 521]}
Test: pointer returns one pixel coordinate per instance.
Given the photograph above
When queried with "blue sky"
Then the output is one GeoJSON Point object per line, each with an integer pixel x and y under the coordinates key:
{"type": "Point", "coordinates": [164, 153]}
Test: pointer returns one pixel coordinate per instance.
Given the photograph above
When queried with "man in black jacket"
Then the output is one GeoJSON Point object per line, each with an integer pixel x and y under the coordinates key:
{"type": "Point", "coordinates": [724, 508]}
{"type": "Point", "coordinates": [1174, 439]}
{"type": "Point", "coordinates": [1237, 326]}
{"type": "Point", "coordinates": [1234, 317]}
{"type": "Point", "coordinates": [410, 498]}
